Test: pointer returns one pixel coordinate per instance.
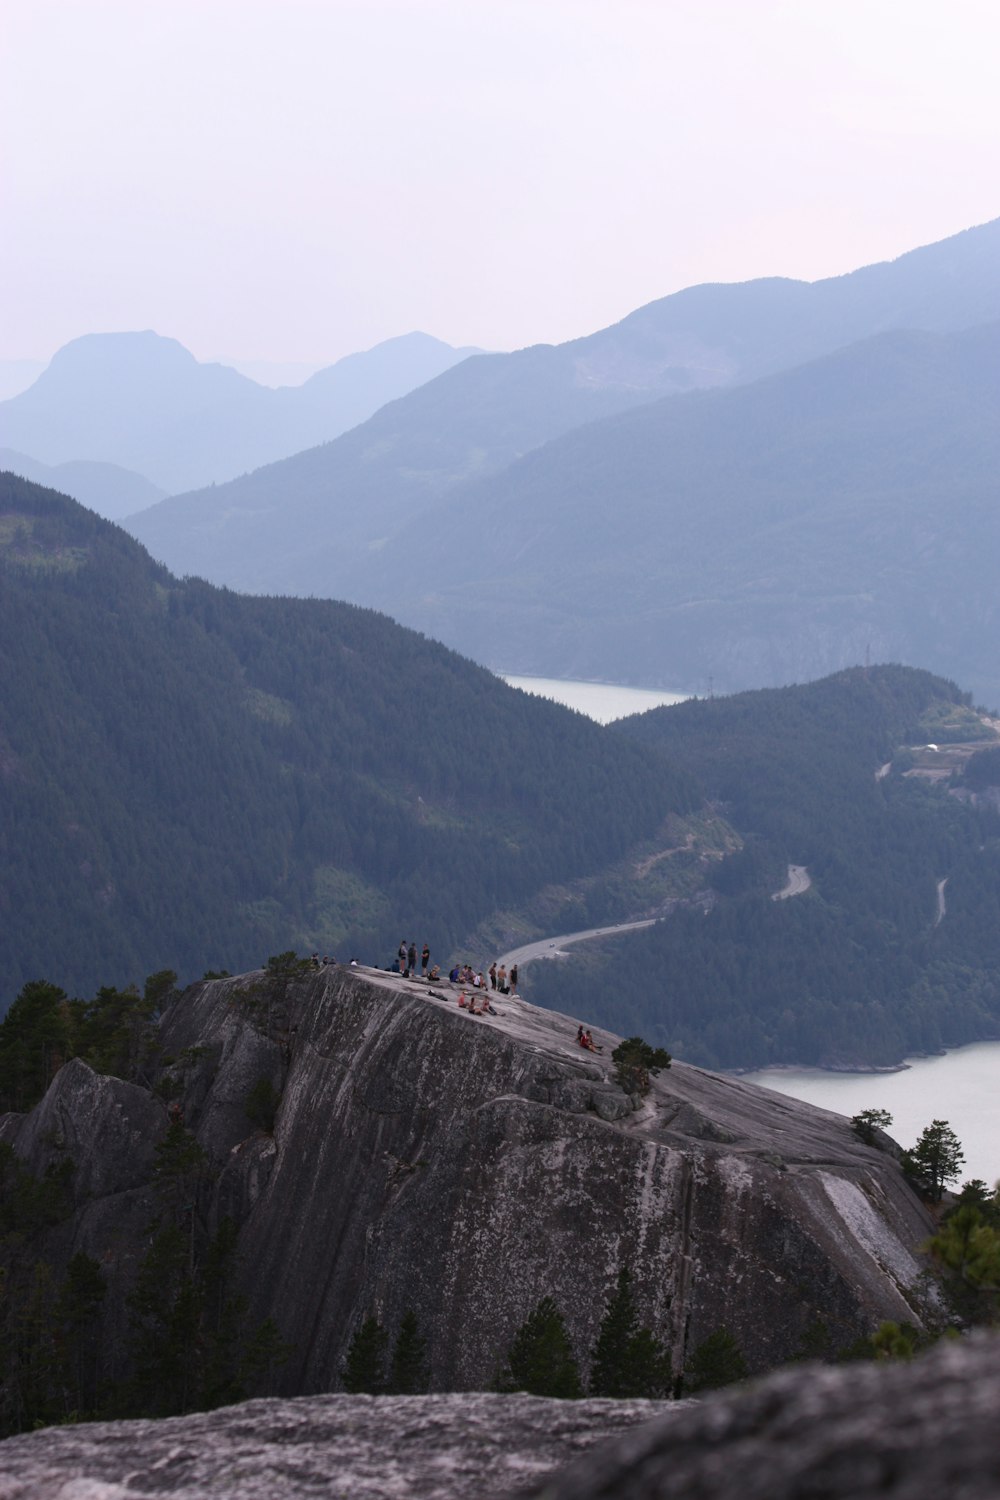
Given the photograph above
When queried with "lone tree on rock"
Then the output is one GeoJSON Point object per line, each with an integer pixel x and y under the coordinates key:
{"type": "Point", "coordinates": [627, 1359]}
{"type": "Point", "coordinates": [541, 1359]}
{"type": "Point", "coordinates": [868, 1122]}
{"type": "Point", "coordinates": [935, 1160]}
{"type": "Point", "coordinates": [635, 1062]}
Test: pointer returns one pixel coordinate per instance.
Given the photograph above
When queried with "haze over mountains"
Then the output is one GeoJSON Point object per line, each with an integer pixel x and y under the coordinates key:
{"type": "Point", "coordinates": [840, 511]}
{"type": "Point", "coordinates": [145, 404]}
{"type": "Point", "coordinates": [107, 488]}
{"type": "Point", "coordinates": [751, 536]}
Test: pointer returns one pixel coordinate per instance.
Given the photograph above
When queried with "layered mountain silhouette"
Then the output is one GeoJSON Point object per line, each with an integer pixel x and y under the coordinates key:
{"type": "Point", "coordinates": [110, 490]}
{"type": "Point", "coordinates": [419, 510]}
{"type": "Point", "coordinates": [144, 403]}
{"type": "Point", "coordinates": [843, 510]}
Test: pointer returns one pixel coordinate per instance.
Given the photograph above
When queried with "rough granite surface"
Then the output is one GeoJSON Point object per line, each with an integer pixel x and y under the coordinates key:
{"type": "Point", "coordinates": [922, 1431]}
{"type": "Point", "coordinates": [464, 1167]}
{"type": "Point", "coordinates": [469, 1447]}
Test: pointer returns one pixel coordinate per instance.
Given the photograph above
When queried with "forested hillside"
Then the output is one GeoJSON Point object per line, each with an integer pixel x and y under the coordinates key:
{"type": "Point", "coordinates": [190, 779]}
{"type": "Point", "coordinates": [869, 963]}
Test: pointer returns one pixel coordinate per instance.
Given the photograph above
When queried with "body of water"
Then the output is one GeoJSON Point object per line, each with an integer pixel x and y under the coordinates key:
{"type": "Point", "coordinates": [602, 701]}
{"type": "Point", "coordinates": [962, 1087]}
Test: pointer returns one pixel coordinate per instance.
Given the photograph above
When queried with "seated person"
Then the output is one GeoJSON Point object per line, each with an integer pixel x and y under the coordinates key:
{"type": "Point", "coordinates": [433, 975]}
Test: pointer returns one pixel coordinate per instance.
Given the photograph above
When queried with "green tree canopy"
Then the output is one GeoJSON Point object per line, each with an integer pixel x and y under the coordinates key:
{"type": "Point", "coordinates": [364, 1367]}
{"type": "Point", "coordinates": [716, 1361]}
{"type": "Point", "coordinates": [627, 1359]}
{"type": "Point", "coordinates": [408, 1369]}
{"type": "Point", "coordinates": [935, 1160]}
{"type": "Point", "coordinates": [541, 1359]}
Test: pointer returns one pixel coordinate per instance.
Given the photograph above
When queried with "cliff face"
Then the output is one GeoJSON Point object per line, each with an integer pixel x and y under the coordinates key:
{"type": "Point", "coordinates": [466, 1167]}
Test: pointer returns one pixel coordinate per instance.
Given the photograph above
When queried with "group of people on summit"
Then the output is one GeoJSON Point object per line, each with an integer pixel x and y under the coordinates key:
{"type": "Point", "coordinates": [495, 980]}
{"type": "Point", "coordinates": [496, 976]}
{"type": "Point", "coordinates": [406, 962]}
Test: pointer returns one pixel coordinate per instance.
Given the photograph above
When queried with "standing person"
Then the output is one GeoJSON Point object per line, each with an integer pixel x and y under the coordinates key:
{"type": "Point", "coordinates": [493, 975]}
{"type": "Point", "coordinates": [513, 979]}
{"type": "Point", "coordinates": [411, 959]}
{"type": "Point", "coordinates": [425, 958]}
{"type": "Point", "coordinates": [502, 979]}
{"type": "Point", "coordinates": [401, 957]}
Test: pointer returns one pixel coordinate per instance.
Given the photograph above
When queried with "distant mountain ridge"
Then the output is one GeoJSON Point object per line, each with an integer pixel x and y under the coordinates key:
{"type": "Point", "coordinates": [367, 516]}
{"type": "Point", "coordinates": [110, 490]}
{"type": "Point", "coordinates": [748, 537]}
{"type": "Point", "coordinates": [145, 403]}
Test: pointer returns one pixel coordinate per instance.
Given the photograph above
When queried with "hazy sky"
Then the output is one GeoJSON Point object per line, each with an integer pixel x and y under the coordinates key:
{"type": "Point", "coordinates": [296, 179]}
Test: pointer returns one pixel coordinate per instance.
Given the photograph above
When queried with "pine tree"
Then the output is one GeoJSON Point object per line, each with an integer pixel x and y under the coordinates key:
{"type": "Point", "coordinates": [936, 1159]}
{"type": "Point", "coordinates": [79, 1307]}
{"type": "Point", "coordinates": [627, 1359]}
{"type": "Point", "coordinates": [165, 1308]}
{"type": "Point", "coordinates": [266, 1353]}
{"type": "Point", "coordinates": [541, 1359]}
{"type": "Point", "coordinates": [364, 1367]}
{"type": "Point", "coordinates": [408, 1371]}
{"type": "Point", "coordinates": [718, 1360]}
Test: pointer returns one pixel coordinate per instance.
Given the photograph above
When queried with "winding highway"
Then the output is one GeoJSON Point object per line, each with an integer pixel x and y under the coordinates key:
{"type": "Point", "coordinates": [554, 947]}
{"type": "Point", "coordinates": [799, 880]}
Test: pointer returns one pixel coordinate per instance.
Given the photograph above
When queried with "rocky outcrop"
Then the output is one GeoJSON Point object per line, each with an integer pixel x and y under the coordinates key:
{"type": "Point", "coordinates": [911, 1432]}
{"type": "Point", "coordinates": [414, 1448]}
{"type": "Point", "coordinates": [466, 1167]}
{"type": "Point", "coordinates": [921, 1431]}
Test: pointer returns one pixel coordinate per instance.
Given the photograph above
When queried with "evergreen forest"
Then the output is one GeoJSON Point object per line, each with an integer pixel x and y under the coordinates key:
{"type": "Point", "coordinates": [193, 779]}
{"type": "Point", "coordinates": [876, 959]}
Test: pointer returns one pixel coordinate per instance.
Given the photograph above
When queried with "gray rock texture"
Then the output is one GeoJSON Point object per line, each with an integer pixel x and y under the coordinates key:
{"type": "Point", "coordinates": [465, 1167]}
{"type": "Point", "coordinates": [470, 1447]}
{"type": "Point", "coordinates": [107, 1128]}
{"type": "Point", "coordinates": [926, 1431]}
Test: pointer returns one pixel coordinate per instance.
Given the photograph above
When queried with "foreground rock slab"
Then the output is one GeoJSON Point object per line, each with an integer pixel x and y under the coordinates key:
{"type": "Point", "coordinates": [924, 1431]}
{"type": "Point", "coordinates": [455, 1447]}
